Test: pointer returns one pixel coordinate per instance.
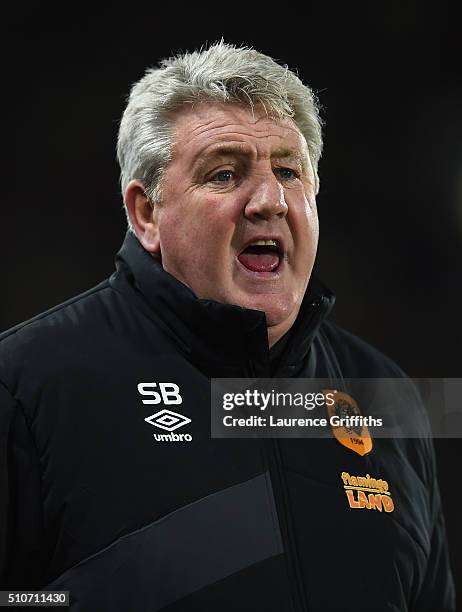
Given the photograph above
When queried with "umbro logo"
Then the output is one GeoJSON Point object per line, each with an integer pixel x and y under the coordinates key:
{"type": "Point", "coordinates": [168, 420]}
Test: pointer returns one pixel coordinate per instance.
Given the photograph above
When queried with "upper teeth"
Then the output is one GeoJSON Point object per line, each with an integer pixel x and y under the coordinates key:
{"type": "Point", "coordinates": [263, 243]}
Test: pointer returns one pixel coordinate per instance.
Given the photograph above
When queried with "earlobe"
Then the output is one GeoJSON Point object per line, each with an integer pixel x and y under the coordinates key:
{"type": "Point", "coordinates": [143, 216]}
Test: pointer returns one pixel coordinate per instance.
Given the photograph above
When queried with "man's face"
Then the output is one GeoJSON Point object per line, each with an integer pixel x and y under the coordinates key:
{"type": "Point", "coordinates": [237, 179]}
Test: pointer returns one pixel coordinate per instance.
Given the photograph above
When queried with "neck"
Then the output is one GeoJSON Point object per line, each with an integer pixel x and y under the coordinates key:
{"type": "Point", "coordinates": [275, 332]}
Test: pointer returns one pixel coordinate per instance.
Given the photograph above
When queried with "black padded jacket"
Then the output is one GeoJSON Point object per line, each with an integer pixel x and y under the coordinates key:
{"type": "Point", "coordinates": [91, 503]}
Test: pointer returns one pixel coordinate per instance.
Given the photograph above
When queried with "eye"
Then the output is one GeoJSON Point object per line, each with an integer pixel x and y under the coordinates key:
{"type": "Point", "coordinates": [286, 174]}
{"type": "Point", "coordinates": [223, 176]}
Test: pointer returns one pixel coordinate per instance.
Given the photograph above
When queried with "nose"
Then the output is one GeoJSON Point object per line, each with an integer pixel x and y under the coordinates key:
{"type": "Point", "coordinates": [267, 200]}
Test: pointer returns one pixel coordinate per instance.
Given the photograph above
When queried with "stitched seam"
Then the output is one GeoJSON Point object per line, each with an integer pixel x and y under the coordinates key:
{"type": "Point", "coordinates": [17, 328]}
{"type": "Point", "coordinates": [34, 444]}
{"type": "Point", "coordinates": [272, 509]}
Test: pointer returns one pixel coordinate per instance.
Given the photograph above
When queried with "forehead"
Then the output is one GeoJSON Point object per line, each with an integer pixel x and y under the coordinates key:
{"type": "Point", "coordinates": [199, 129]}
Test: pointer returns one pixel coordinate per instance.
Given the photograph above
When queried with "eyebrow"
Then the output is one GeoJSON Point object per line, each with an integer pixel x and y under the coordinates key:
{"type": "Point", "coordinates": [223, 150]}
{"type": "Point", "coordinates": [285, 153]}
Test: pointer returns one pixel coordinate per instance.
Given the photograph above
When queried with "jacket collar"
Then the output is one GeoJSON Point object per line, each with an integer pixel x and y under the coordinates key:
{"type": "Point", "coordinates": [219, 337]}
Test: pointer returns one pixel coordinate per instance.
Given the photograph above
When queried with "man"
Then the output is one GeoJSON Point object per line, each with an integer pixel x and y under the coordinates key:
{"type": "Point", "coordinates": [218, 152]}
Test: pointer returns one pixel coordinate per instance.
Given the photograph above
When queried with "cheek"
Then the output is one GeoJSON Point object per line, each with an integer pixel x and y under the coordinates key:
{"type": "Point", "coordinates": [196, 231]}
{"type": "Point", "coordinates": [216, 228]}
{"type": "Point", "coordinates": [304, 221]}
{"type": "Point", "coordinates": [216, 215]}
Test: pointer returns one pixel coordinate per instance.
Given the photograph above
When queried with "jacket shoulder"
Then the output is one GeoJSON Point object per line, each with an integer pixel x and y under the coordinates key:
{"type": "Point", "coordinates": [356, 357]}
{"type": "Point", "coordinates": [53, 316]}
{"type": "Point", "coordinates": [56, 333]}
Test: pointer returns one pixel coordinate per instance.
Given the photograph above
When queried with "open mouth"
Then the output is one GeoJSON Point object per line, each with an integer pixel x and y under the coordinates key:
{"type": "Point", "coordinates": [261, 256]}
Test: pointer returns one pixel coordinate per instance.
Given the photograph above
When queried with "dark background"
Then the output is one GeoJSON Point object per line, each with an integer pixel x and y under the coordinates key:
{"type": "Point", "coordinates": [390, 206]}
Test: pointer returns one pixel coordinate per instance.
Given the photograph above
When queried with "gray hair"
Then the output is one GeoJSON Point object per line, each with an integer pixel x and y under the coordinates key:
{"type": "Point", "coordinates": [220, 73]}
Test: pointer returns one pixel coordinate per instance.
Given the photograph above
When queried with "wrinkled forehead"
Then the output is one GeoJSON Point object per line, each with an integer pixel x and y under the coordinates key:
{"type": "Point", "coordinates": [199, 127]}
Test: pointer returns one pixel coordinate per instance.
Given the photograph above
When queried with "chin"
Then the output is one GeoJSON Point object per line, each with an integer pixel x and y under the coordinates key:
{"type": "Point", "coordinates": [276, 311]}
{"type": "Point", "coordinates": [273, 319]}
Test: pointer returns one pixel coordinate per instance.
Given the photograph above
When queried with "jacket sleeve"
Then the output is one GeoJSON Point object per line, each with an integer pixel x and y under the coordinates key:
{"type": "Point", "coordinates": [437, 591]}
{"type": "Point", "coordinates": [21, 517]}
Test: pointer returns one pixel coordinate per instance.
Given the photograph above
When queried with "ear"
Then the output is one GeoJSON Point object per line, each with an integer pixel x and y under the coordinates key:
{"type": "Point", "coordinates": [143, 216]}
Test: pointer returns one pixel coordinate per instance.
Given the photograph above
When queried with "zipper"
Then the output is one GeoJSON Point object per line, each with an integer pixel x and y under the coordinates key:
{"type": "Point", "coordinates": [285, 518]}
{"type": "Point", "coordinates": [281, 497]}
{"type": "Point", "coordinates": [272, 451]}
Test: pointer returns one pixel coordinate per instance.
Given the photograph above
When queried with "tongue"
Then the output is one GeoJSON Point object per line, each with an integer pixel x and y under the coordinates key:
{"type": "Point", "coordinates": [259, 262]}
